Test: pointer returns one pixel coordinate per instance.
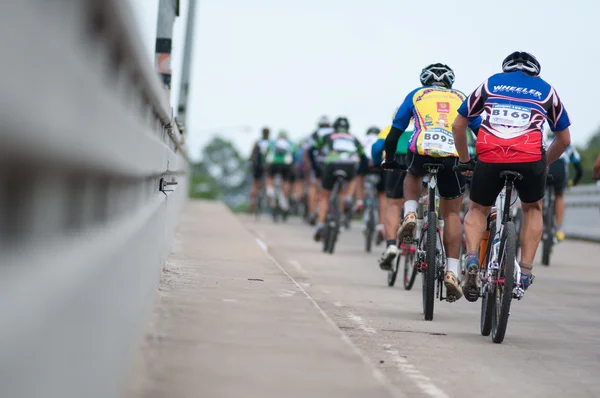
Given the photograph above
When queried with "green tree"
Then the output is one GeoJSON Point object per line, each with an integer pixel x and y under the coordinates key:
{"type": "Point", "coordinates": [222, 174]}
{"type": "Point", "coordinates": [588, 155]}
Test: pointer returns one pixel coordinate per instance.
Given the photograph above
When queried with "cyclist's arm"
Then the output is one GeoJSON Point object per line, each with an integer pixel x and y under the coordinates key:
{"type": "Point", "coordinates": [377, 151]}
{"type": "Point", "coordinates": [268, 152]}
{"type": "Point", "coordinates": [293, 149]}
{"type": "Point", "coordinates": [459, 131]}
{"type": "Point", "coordinates": [254, 153]}
{"type": "Point", "coordinates": [578, 173]}
{"type": "Point", "coordinates": [576, 161]}
{"type": "Point", "coordinates": [399, 125]}
{"type": "Point", "coordinates": [559, 122]}
{"type": "Point", "coordinates": [468, 116]}
{"type": "Point", "coordinates": [561, 141]}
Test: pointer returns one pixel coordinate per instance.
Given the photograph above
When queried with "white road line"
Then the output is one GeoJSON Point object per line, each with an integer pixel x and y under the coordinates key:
{"type": "Point", "coordinates": [262, 245]}
{"type": "Point", "coordinates": [226, 300]}
{"type": "Point", "coordinates": [296, 264]}
{"type": "Point", "coordinates": [422, 381]}
{"type": "Point", "coordinates": [377, 374]}
{"type": "Point", "coordinates": [360, 323]}
{"type": "Point", "coordinates": [285, 293]}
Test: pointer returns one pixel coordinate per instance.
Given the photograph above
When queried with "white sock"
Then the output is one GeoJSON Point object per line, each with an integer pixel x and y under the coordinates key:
{"type": "Point", "coordinates": [452, 265]}
{"type": "Point", "coordinates": [410, 206]}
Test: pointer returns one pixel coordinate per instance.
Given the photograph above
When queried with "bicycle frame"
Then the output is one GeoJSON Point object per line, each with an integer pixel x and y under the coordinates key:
{"type": "Point", "coordinates": [502, 211]}
{"type": "Point", "coordinates": [433, 207]}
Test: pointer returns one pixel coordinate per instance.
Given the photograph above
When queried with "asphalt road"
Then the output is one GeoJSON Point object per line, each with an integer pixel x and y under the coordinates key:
{"type": "Point", "coordinates": [552, 346]}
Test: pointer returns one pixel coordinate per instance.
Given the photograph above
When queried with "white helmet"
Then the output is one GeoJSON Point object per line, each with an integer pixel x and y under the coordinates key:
{"type": "Point", "coordinates": [323, 121]}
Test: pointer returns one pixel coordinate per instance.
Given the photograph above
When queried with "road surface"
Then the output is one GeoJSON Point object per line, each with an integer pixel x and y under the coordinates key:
{"type": "Point", "coordinates": [249, 308]}
{"type": "Point", "coordinates": [552, 347]}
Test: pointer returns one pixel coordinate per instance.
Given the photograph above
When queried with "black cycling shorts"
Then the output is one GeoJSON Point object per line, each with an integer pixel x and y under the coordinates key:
{"type": "Point", "coordinates": [394, 184]}
{"type": "Point", "coordinates": [257, 173]}
{"type": "Point", "coordinates": [318, 171]}
{"type": "Point", "coordinates": [486, 183]}
{"type": "Point", "coordinates": [287, 174]}
{"type": "Point", "coordinates": [451, 184]}
{"type": "Point", "coordinates": [560, 173]}
{"type": "Point", "coordinates": [329, 173]}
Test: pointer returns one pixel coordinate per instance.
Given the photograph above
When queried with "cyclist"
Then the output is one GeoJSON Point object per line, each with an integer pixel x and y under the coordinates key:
{"type": "Point", "coordinates": [315, 158]}
{"type": "Point", "coordinates": [433, 107]}
{"type": "Point", "coordinates": [257, 164]}
{"type": "Point", "coordinates": [279, 159]}
{"type": "Point", "coordinates": [341, 152]}
{"type": "Point", "coordinates": [560, 180]}
{"type": "Point", "coordinates": [394, 191]}
{"type": "Point", "coordinates": [300, 170]}
{"type": "Point", "coordinates": [516, 101]}
{"type": "Point", "coordinates": [375, 169]}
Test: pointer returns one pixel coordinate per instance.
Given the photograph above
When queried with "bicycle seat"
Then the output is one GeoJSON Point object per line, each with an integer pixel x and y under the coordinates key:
{"type": "Point", "coordinates": [340, 173]}
{"type": "Point", "coordinates": [511, 175]}
{"type": "Point", "coordinates": [373, 179]}
{"type": "Point", "coordinates": [433, 166]}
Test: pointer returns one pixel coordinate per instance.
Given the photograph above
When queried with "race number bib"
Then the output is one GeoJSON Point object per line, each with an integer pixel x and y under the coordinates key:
{"type": "Point", "coordinates": [436, 142]}
{"type": "Point", "coordinates": [343, 145]}
{"type": "Point", "coordinates": [510, 115]}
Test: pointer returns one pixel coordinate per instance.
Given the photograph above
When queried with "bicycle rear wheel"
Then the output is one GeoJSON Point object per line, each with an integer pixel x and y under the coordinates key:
{"type": "Point", "coordinates": [325, 236]}
{"type": "Point", "coordinates": [394, 272]}
{"type": "Point", "coordinates": [503, 292]}
{"type": "Point", "coordinates": [430, 272]}
{"type": "Point", "coordinates": [370, 230]}
{"type": "Point", "coordinates": [335, 220]}
{"type": "Point", "coordinates": [410, 271]}
{"type": "Point", "coordinates": [487, 301]}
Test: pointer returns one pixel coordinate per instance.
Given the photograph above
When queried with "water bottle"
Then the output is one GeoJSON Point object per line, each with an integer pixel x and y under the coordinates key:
{"type": "Point", "coordinates": [420, 221]}
{"type": "Point", "coordinates": [496, 246]}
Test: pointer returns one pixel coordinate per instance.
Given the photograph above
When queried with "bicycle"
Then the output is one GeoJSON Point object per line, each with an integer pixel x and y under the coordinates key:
{"type": "Point", "coordinates": [499, 271]}
{"type": "Point", "coordinates": [548, 211]}
{"type": "Point", "coordinates": [430, 253]}
{"type": "Point", "coordinates": [371, 182]}
{"type": "Point", "coordinates": [276, 210]}
{"type": "Point", "coordinates": [408, 253]}
{"type": "Point", "coordinates": [333, 221]}
{"type": "Point", "coordinates": [259, 207]}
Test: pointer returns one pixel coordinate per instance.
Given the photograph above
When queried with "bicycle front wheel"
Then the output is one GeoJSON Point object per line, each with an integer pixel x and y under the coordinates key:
{"type": "Point", "coordinates": [548, 236]}
{"type": "Point", "coordinates": [487, 301]}
{"type": "Point", "coordinates": [430, 272]}
{"type": "Point", "coordinates": [504, 284]}
{"type": "Point", "coordinates": [369, 231]}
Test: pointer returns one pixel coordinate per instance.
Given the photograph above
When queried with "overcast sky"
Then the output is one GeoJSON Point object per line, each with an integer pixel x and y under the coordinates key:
{"type": "Point", "coordinates": [284, 63]}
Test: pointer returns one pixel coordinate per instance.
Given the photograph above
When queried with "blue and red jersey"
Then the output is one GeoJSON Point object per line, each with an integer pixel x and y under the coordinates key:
{"type": "Point", "coordinates": [516, 106]}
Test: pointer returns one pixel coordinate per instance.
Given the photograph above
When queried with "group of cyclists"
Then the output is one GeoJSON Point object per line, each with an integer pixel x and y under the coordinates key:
{"type": "Point", "coordinates": [474, 138]}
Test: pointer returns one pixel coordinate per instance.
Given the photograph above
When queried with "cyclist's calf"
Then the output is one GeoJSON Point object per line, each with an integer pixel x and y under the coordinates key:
{"type": "Point", "coordinates": [531, 234]}
{"type": "Point", "coordinates": [452, 226]}
{"type": "Point", "coordinates": [475, 225]}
